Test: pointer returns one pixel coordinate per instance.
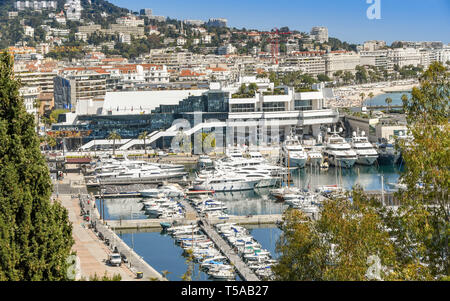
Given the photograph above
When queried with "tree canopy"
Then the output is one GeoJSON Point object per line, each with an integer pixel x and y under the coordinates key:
{"type": "Point", "coordinates": [35, 233]}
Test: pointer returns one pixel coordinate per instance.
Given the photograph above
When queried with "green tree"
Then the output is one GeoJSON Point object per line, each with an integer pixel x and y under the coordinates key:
{"type": "Point", "coordinates": [421, 226]}
{"type": "Point", "coordinates": [114, 136]}
{"type": "Point", "coordinates": [388, 101]}
{"type": "Point", "coordinates": [362, 95]}
{"type": "Point", "coordinates": [323, 78]}
{"type": "Point", "coordinates": [143, 136]}
{"type": "Point", "coordinates": [35, 233]}
{"type": "Point", "coordinates": [335, 247]}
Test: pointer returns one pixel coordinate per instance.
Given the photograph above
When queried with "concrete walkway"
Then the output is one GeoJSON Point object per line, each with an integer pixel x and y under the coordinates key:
{"type": "Point", "coordinates": [91, 252]}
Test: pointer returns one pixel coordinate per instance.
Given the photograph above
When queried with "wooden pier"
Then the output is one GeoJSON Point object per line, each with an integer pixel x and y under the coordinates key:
{"type": "Point", "coordinates": [244, 271]}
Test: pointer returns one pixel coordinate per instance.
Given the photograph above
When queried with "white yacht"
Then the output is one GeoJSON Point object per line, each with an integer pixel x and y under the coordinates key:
{"type": "Point", "coordinates": [367, 155]}
{"type": "Point", "coordinates": [339, 152]}
{"type": "Point", "coordinates": [293, 152]}
{"type": "Point", "coordinates": [205, 162]}
{"type": "Point", "coordinates": [227, 181]}
{"type": "Point", "coordinates": [166, 191]}
{"type": "Point", "coordinates": [314, 152]}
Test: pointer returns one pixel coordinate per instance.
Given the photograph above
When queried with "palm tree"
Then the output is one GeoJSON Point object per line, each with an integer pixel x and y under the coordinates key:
{"type": "Point", "coordinates": [362, 95]}
{"type": "Point", "coordinates": [405, 99]}
{"type": "Point", "coordinates": [388, 102]}
{"type": "Point", "coordinates": [114, 136]}
{"type": "Point", "coordinates": [143, 136]}
{"type": "Point", "coordinates": [370, 97]}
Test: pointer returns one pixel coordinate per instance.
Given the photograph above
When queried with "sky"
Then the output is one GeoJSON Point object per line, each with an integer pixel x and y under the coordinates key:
{"type": "Point", "coordinates": [347, 20]}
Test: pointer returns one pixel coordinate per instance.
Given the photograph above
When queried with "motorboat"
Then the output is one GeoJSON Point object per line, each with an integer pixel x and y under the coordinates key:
{"type": "Point", "coordinates": [205, 162]}
{"type": "Point", "coordinates": [367, 154]}
{"type": "Point", "coordinates": [166, 191]}
{"type": "Point", "coordinates": [293, 153]}
{"type": "Point", "coordinates": [339, 152]}
{"type": "Point", "coordinates": [226, 182]}
{"type": "Point", "coordinates": [387, 154]}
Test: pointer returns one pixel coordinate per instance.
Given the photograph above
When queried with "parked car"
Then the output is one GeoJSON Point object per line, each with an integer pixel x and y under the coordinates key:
{"type": "Point", "coordinates": [115, 259]}
{"type": "Point", "coordinates": [124, 258]}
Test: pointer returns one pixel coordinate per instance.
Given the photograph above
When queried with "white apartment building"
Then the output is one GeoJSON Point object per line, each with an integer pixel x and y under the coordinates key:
{"type": "Point", "coordinates": [194, 22]}
{"type": "Point", "coordinates": [140, 73]}
{"type": "Point", "coordinates": [319, 34]}
{"type": "Point", "coordinates": [73, 10]}
{"type": "Point", "coordinates": [341, 60]}
{"type": "Point", "coordinates": [377, 58]}
{"type": "Point", "coordinates": [405, 57]}
{"type": "Point", "coordinates": [30, 96]}
{"type": "Point", "coordinates": [28, 31]}
{"type": "Point", "coordinates": [130, 21]}
{"type": "Point", "coordinates": [373, 45]}
{"type": "Point", "coordinates": [35, 5]}
{"type": "Point", "coordinates": [125, 38]}
{"type": "Point", "coordinates": [226, 49]}
{"type": "Point", "coordinates": [313, 65]}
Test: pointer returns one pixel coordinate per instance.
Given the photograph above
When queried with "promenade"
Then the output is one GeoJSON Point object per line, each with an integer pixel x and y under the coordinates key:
{"type": "Point", "coordinates": [93, 253]}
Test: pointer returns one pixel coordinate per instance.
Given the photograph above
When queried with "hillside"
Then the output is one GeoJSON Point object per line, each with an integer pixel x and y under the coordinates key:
{"type": "Point", "coordinates": [11, 31]}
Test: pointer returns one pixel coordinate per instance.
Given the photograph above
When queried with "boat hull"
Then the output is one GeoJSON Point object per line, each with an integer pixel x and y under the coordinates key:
{"type": "Point", "coordinates": [366, 160]}
{"type": "Point", "coordinates": [297, 162]}
{"type": "Point", "coordinates": [342, 162]}
{"type": "Point", "coordinates": [226, 187]}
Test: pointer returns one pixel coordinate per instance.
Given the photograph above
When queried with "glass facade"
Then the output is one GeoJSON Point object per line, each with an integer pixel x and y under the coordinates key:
{"type": "Point", "coordinates": [274, 107]}
{"type": "Point", "coordinates": [212, 105]}
{"type": "Point", "coordinates": [242, 107]}
{"type": "Point", "coordinates": [303, 105]}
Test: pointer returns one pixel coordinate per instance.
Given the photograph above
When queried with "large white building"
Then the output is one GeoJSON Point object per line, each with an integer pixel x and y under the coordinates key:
{"type": "Point", "coordinates": [341, 60]}
{"type": "Point", "coordinates": [73, 10]}
{"type": "Point", "coordinates": [130, 21]}
{"type": "Point", "coordinates": [405, 57]}
{"type": "Point", "coordinates": [35, 5]}
{"type": "Point", "coordinates": [319, 34]}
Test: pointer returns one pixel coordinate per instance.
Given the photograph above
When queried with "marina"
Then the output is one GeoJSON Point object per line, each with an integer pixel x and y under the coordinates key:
{"type": "Point", "coordinates": [240, 190]}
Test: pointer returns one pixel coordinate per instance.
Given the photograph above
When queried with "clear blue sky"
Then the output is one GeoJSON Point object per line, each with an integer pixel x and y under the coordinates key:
{"type": "Point", "coordinates": [412, 20]}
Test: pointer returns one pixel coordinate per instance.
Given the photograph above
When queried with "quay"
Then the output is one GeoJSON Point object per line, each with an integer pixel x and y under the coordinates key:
{"type": "Point", "coordinates": [92, 253]}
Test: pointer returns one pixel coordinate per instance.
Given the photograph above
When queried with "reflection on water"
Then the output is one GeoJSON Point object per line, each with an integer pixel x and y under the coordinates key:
{"type": "Point", "coordinates": [122, 208]}
{"type": "Point", "coordinates": [161, 252]}
{"type": "Point", "coordinates": [368, 177]}
{"type": "Point", "coordinates": [259, 202]}
{"type": "Point", "coordinates": [256, 202]}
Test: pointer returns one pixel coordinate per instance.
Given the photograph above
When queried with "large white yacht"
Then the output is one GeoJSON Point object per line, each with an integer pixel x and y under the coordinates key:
{"type": "Point", "coordinates": [339, 152]}
{"type": "Point", "coordinates": [367, 155]}
{"type": "Point", "coordinates": [293, 152]}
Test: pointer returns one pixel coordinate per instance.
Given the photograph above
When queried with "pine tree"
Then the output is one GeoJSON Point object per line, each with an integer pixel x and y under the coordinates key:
{"type": "Point", "coordinates": [35, 233]}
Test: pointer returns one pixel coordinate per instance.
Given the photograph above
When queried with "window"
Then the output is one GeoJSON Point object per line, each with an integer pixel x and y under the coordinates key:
{"type": "Point", "coordinates": [274, 107]}
{"type": "Point", "coordinates": [303, 105]}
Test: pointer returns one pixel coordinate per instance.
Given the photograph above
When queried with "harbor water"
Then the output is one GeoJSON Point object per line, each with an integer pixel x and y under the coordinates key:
{"type": "Point", "coordinates": [259, 202]}
{"type": "Point", "coordinates": [160, 251]}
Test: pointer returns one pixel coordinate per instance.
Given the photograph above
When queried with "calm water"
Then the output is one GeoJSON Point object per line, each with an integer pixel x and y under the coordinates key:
{"type": "Point", "coordinates": [379, 100]}
{"type": "Point", "coordinates": [259, 202]}
{"type": "Point", "coordinates": [161, 252]}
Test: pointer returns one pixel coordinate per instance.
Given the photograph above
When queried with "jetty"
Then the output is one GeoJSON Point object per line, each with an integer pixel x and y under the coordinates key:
{"type": "Point", "coordinates": [242, 268]}
{"type": "Point", "coordinates": [156, 223]}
